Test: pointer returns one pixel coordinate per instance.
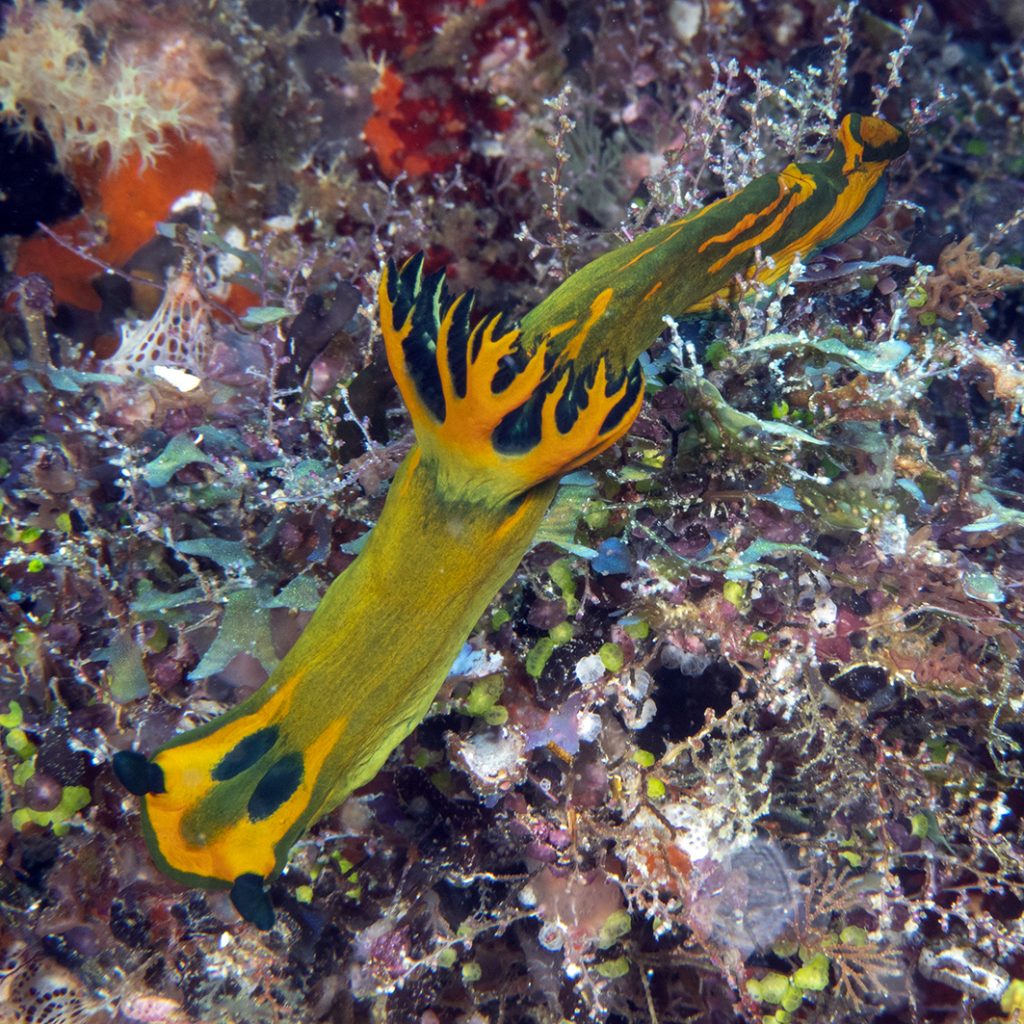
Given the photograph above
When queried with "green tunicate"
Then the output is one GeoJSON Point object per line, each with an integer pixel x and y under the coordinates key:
{"type": "Point", "coordinates": [484, 695]}
{"type": "Point", "coordinates": [644, 758]}
{"type": "Point", "coordinates": [72, 800]}
{"type": "Point", "coordinates": [538, 656]}
{"type": "Point", "coordinates": [917, 297]}
{"type": "Point", "coordinates": [472, 972]}
{"type": "Point", "coordinates": [1012, 1000]}
{"type": "Point", "coordinates": [613, 968]}
{"type": "Point", "coordinates": [812, 977]}
{"type": "Point", "coordinates": [633, 475]}
{"type": "Point", "coordinates": [716, 354]}
{"type": "Point", "coordinates": [160, 639]}
{"type": "Point", "coordinates": [655, 789]}
{"type": "Point", "coordinates": [14, 716]}
{"type": "Point", "coordinates": [19, 742]}
{"type": "Point", "coordinates": [792, 998]}
{"type": "Point", "coordinates": [561, 633]}
{"type": "Point", "coordinates": [28, 647]}
{"type": "Point", "coordinates": [615, 926]}
{"type": "Point", "coordinates": [350, 875]}
{"type": "Point", "coordinates": [853, 935]}
{"type": "Point", "coordinates": [611, 657]}
{"type": "Point", "coordinates": [769, 989]}
{"type": "Point", "coordinates": [561, 573]}
{"type": "Point", "coordinates": [924, 825]}
{"type": "Point", "coordinates": [637, 629]}
{"type": "Point", "coordinates": [447, 958]}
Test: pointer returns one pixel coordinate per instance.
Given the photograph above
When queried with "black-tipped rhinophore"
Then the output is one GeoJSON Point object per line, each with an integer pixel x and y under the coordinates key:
{"type": "Point", "coordinates": [138, 774]}
{"type": "Point", "coordinates": [252, 902]}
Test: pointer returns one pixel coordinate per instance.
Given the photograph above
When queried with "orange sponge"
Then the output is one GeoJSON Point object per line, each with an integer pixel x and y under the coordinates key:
{"type": "Point", "coordinates": [124, 204]}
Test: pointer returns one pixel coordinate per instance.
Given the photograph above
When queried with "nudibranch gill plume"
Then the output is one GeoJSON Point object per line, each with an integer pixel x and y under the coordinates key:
{"type": "Point", "coordinates": [501, 411]}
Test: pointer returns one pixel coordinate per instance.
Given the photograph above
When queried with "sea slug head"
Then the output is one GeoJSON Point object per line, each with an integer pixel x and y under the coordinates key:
{"type": "Point", "coordinates": [862, 139]}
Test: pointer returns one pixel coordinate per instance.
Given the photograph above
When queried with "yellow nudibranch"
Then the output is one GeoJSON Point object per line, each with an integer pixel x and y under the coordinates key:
{"type": "Point", "coordinates": [500, 412]}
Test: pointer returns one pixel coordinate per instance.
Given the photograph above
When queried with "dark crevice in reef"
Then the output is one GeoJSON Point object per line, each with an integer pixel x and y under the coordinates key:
{"type": "Point", "coordinates": [682, 700]}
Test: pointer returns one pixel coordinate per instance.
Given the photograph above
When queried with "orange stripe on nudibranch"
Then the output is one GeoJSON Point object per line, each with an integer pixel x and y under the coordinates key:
{"type": "Point", "coordinates": [554, 332]}
{"type": "Point", "coordinates": [602, 300]}
{"type": "Point", "coordinates": [750, 244]}
{"type": "Point", "coordinates": [746, 222]}
{"type": "Point", "coordinates": [638, 257]}
{"type": "Point", "coordinates": [799, 186]}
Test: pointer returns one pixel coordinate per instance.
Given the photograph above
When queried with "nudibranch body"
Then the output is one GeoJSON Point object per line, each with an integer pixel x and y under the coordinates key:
{"type": "Point", "coordinates": [500, 412]}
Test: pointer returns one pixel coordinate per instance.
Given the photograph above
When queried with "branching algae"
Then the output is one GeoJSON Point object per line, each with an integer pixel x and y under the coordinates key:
{"type": "Point", "coordinates": [500, 413]}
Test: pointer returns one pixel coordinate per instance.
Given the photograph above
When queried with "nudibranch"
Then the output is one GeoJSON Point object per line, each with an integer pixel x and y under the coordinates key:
{"type": "Point", "coordinates": [501, 411]}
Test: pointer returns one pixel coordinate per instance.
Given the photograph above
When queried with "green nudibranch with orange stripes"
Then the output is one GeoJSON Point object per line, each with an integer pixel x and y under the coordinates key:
{"type": "Point", "coordinates": [500, 412]}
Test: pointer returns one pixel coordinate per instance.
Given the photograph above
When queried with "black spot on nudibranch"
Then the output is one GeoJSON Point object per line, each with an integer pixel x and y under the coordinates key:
{"type": "Point", "coordinates": [251, 901]}
{"type": "Point", "coordinates": [280, 782]}
{"type": "Point", "coordinates": [138, 774]}
{"type": "Point", "coordinates": [244, 754]}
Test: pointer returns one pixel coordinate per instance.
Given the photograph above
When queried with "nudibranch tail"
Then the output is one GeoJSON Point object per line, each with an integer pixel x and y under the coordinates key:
{"type": "Point", "coordinates": [500, 412]}
{"type": "Point", "coordinates": [496, 418]}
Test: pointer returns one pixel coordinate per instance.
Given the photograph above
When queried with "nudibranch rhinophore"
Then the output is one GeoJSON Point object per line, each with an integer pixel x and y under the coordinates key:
{"type": "Point", "coordinates": [501, 411]}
